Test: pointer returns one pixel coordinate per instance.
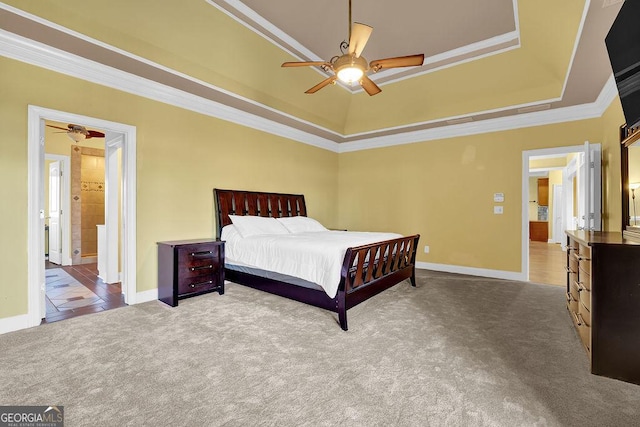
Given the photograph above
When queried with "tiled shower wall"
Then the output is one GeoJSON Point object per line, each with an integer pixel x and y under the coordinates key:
{"type": "Point", "coordinates": [87, 201]}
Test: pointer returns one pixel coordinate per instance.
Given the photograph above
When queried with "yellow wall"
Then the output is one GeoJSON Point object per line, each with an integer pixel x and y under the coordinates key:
{"type": "Point", "coordinates": [181, 157]}
{"type": "Point", "coordinates": [611, 181]}
{"type": "Point", "coordinates": [441, 189]}
{"type": "Point", "coordinates": [444, 190]}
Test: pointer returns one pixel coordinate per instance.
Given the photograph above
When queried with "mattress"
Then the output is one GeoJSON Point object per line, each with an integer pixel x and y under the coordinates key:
{"type": "Point", "coordinates": [295, 281]}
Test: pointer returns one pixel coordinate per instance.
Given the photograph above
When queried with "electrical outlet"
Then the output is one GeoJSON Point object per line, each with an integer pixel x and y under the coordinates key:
{"type": "Point", "coordinates": [426, 249]}
{"type": "Point", "coordinates": [498, 210]}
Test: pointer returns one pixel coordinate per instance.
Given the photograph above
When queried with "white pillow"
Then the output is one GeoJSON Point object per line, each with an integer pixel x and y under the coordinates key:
{"type": "Point", "coordinates": [229, 233]}
{"type": "Point", "coordinates": [257, 225]}
{"type": "Point", "coordinates": [301, 224]}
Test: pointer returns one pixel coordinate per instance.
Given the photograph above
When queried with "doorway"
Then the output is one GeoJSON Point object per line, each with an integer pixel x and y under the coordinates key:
{"type": "Point", "coordinates": [75, 190]}
{"type": "Point", "coordinates": [119, 138]}
{"type": "Point", "coordinates": [572, 175]}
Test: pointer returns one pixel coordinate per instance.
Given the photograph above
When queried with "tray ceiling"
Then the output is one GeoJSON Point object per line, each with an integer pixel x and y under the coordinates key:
{"type": "Point", "coordinates": [532, 56]}
{"type": "Point", "coordinates": [446, 32]}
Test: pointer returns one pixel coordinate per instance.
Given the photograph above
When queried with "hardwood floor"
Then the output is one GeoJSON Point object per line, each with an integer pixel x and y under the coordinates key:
{"type": "Point", "coordinates": [109, 295]}
{"type": "Point", "coordinates": [547, 263]}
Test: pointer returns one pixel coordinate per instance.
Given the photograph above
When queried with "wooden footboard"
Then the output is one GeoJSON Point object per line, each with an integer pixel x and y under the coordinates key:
{"type": "Point", "coordinates": [370, 269]}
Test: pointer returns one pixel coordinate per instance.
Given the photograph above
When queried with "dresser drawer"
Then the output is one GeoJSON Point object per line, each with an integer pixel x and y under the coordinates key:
{"type": "Point", "coordinates": [574, 289]}
{"type": "Point", "coordinates": [585, 314]}
{"type": "Point", "coordinates": [572, 304]}
{"type": "Point", "coordinates": [585, 297]}
{"type": "Point", "coordinates": [584, 330]}
{"type": "Point", "coordinates": [584, 278]}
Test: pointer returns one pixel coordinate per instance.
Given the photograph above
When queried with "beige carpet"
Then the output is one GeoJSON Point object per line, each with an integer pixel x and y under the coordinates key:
{"type": "Point", "coordinates": [458, 351]}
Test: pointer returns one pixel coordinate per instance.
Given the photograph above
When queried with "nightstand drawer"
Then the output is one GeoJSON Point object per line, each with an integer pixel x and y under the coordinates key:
{"type": "Point", "coordinates": [198, 260]}
{"type": "Point", "coordinates": [197, 254]}
{"type": "Point", "coordinates": [188, 285]}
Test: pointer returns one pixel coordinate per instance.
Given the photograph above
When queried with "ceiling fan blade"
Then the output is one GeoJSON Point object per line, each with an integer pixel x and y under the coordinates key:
{"type": "Point", "coordinates": [400, 61]}
{"type": "Point", "coordinates": [360, 34]}
{"type": "Point", "coordinates": [58, 127]}
{"type": "Point", "coordinates": [369, 86]}
{"type": "Point", "coordinates": [322, 84]}
{"type": "Point", "coordinates": [95, 134]}
{"type": "Point", "coordinates": [305, 63]}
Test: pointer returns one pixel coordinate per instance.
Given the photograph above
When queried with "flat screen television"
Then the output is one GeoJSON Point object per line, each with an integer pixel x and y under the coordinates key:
{"type": "Point", "coordinates": [623, 45]}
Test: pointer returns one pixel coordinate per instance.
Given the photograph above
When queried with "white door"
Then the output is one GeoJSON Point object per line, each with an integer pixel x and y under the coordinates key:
{"type": "Point", "coordinates": [585, 169]}
{"type": "Point", "coordinates": [591, 188]}
{"type": "Point", "coordinates": [558, 225]}
{"type": "Point", "coordinates": [55, 234]}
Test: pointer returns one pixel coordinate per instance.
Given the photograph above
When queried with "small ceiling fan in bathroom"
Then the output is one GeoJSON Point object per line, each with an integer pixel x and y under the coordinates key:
{"type": "Point", "coordinates": [79, 133]}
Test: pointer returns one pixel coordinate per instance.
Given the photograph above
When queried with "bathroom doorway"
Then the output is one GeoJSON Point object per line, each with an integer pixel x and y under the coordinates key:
{"type": "Point", "coordinates": [119, 145]}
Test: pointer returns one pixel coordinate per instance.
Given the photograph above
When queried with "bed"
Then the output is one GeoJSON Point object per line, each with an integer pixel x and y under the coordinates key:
{"type": "Point", "coordinates": [365, 271]}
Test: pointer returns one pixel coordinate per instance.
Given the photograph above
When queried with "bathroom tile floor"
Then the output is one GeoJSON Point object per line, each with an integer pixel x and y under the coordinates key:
{"type": "Point", "coordinates": [76, 290]}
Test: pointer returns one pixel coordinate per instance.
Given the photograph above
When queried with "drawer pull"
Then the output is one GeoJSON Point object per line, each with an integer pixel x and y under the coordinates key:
{"type": "Point", "coordinates": [569, 270]}
{"type": "Point", "coordinates": [201, 253]}
{"type": "Point", "coordinates": [579, 286]}
{"type": "Point", "coordinates": [583, 258]}
{"type": "Point", "coordinates": [202, 267]}
{"type": "Point", "coordinates": [199, 284]}
{"type": "Point", "coordinates": [578, 318]}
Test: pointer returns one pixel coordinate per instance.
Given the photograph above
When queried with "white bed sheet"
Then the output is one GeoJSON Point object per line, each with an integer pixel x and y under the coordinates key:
{"type": "Point", "coordinates": [313, 256]}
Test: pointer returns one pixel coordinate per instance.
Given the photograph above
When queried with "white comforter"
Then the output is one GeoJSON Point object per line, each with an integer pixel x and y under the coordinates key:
{"type": "Point", "coordinates": [313, 256]}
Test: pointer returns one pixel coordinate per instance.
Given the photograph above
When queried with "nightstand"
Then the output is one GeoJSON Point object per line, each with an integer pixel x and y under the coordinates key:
{"type": "Point", "coordinates": [188, 268]}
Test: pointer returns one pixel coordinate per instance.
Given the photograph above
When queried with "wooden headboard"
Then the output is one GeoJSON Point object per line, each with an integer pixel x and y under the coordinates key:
{"type": "Point", "coordinates": [238, 202]}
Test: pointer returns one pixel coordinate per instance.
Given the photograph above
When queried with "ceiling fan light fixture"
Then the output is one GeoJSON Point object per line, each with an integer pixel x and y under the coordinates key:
{"type": "Point", "coordinates": [350, 74]}
{"type": "Point", "coordinates": [76, 136]}
{"type": "Point", "coordinates": [350, 68]}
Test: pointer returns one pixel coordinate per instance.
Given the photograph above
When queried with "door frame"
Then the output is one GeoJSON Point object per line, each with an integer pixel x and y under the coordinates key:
{"type": "Point", "coordinates": [526, 155]}
{"type": "Point", "coordinates": [65, 204]}
{"type": "Point", "coordinates": [35, 207]}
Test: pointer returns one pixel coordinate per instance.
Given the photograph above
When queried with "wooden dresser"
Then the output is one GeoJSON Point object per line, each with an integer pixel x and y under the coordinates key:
{"type": "Point", "coordinates": [188, 268]}
{"type": "Point", "coordinates": [603, 299]}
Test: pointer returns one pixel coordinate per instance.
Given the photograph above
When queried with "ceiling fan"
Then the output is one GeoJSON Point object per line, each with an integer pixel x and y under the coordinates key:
{"type": "Point", "coordinates": [350, 67]}
{"type": "Point", "coordinates": [79, 133]}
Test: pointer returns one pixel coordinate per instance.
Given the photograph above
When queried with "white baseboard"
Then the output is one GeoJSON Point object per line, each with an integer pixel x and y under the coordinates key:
{"type": "Point", "coordinates": [472, 271]}
{"type": "Point", "coordinates": [146, 296]}
{"type": "Point", "coordinates": [15, 323]}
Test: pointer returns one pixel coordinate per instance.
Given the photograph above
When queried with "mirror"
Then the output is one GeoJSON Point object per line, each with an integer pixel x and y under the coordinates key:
{"type": "Point", "coordinates": [630, 173]}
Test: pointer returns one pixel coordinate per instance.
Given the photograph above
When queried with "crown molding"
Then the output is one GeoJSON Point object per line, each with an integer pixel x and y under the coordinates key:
{"type": "Point", "coordinates": [541, 118]}
{"type": "Point", "coordinates": [38, 54]}
{"type": "Point", "coordinates": [26, 50]}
